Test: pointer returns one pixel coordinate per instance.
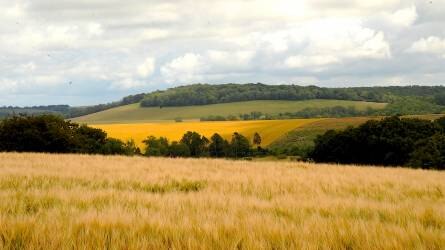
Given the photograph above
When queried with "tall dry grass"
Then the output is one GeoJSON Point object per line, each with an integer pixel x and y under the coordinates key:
{"type": "Point", "coordinates": [92, 202]}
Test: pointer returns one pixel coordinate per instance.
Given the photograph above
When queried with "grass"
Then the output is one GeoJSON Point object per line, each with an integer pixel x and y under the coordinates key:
{"type": "Point", "coordinates": [92, 202]}
{"type": "Point", "coordinates": [303, 137]}
{"type": "Point", "coordinates": [134, 113]}
{"type": "Point", "coordinates": [269, 130]}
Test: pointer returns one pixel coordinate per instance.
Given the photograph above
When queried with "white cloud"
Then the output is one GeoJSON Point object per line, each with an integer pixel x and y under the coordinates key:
{"type": "Point", "coordinates": [147, 68]}
{"type": "Point", "coordinates": [8, 85]}
{"type": "Point", "coordinates": [152, 34]}
{"type": "Point", "coordinates": [310, 61]}
{"type": "Point", "coordinates": [333, 41]}
{"type": "Point", "coordinates": [404, 17]}
{"type": "Point", "coordinates": [183, 69]}
{"type": "Point", "coordinates": [432, 45]}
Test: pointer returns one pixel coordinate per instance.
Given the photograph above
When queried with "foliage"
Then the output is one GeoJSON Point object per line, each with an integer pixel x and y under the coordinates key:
{"type": "Point", "coordinates": [239, 146]}
{"type": "Point", "coordinates": [50, 133]}
{"type": "Point", "coordinates": [391, 141]}
{"type": "Point", "coordinates": [156, 146]}
{"type": "Point", "coordinates": [218, 146]}
{"type": "Point", "coordinates": [193, 144]}
{"type": "Point", "coordinates": [257, 139]}
{"type": "Point", "coordinates": [202, 94]}
{"type": "Point", "coordinates": [197, 144]}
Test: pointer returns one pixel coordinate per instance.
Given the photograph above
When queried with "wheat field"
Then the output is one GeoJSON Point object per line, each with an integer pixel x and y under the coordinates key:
{"type": "Point", "coordinates": [103, 202]}
{"type": "Point", "coordinates": [270, 130]}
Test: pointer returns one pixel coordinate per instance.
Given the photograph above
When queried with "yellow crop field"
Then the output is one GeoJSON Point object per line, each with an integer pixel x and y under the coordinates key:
{"type": "Point", "coordinates": [269, 130]}
{"type": "Point", "coordinates": [114, 202]}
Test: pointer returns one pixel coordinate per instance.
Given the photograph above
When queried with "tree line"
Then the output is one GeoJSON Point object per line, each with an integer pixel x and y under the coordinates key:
{"type": "Point", "coordinates": [392, 141]}
{"type": "Point", "coordinates": [52, 134]}
{"type": "Point", "coordinates": [203, 94]}
{"type": "Point", "coordinates": [192, 144]}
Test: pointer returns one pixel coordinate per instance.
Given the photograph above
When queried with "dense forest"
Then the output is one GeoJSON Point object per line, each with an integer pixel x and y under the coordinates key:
{"type": "Point", "coordinates": [402, 99]}
{"type": "Point", "coordinates": [392, 141]}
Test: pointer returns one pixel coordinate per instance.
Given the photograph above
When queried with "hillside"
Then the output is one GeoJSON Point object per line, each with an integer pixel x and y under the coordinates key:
{"type": "Point", "coordinates": [269, 130]}
{"type": "Point", "coordinates": [403, 100]}
{"type": "Point", "coordinates": [135, 113]}
{"type": "Point", "coordinates": [92, 202]}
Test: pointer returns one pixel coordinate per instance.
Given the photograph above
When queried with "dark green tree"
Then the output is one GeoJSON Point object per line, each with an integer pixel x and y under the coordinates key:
{"type": "Point", "coordinates": [257, 139]}
{"type": "Point", "coordinates": [155, 146]}
{"type": "Point", "coordinates": [195, 143]}
{"type": "Point", "coordinates": [178, 149]}
{"type": "Point", "coordinates": [429, 153]}
{"type": "Point", "coordinates": [218, 146]}
{"type": "Point", "coordinates": [239, 146]}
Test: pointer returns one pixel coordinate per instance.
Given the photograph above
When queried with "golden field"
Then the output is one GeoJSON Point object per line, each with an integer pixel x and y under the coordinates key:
{"type": "Point", "coordinates": [269, 130]}
{"type": "Point", "coordinates": [104, 202]}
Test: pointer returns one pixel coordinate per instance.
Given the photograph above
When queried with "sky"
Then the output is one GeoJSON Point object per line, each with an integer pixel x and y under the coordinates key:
{"type": "Point", "coordinates": [86, 52]}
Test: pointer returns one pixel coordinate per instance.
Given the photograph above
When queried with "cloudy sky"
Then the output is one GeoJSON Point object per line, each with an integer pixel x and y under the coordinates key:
{"type": "Point", "coordinates": [93, 51]}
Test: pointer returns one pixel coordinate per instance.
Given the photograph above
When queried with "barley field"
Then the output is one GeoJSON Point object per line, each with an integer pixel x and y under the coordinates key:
{"type": "Point", "coordinates": [104, 202]}
{"type": "Point", "coordinates": [269, 130]}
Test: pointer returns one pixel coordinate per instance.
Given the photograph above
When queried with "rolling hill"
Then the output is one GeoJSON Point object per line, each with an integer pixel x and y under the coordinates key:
{"type": "Point", "coordinates": [135, 113]}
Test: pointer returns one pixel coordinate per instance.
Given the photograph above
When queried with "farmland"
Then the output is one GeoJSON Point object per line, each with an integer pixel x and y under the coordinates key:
{"type": "Point", "coordinates": [134, 113]}
{"type": "Point", "coordinates": [269, 130]}
{"type": "Point", "coordinates": [91, 202]}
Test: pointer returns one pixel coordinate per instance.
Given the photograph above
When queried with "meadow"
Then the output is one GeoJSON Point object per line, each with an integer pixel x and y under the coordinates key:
{"type": "Point", "coordinates": [115, 202]}
{"type": "Point", "coordinates": [269, 130]}
{"type": "Point", "coordinates": [134, 113]}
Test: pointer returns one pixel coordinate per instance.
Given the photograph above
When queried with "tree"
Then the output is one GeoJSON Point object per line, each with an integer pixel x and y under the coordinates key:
{"type": "Point", "coordinates": [239, 146]}
{"type": "Point", "coordinates": [155, 146]}
{"type": "Point", "coordinates": [429, 153]}
{"type": "Point", "coordinates": [257, 139]}
{"type": "Point", "coordinates": [178, 149]}
{"type": "Point", "coordinates": [52, 134]}
{"type": "Point", "coordinates": [389, 141]}
{"type": "Point", "coordinates": [90, 140]}
{"type": "Point", "coordinates": [218, 146]}
{"type": "Point", "coordinates": [195, 143]}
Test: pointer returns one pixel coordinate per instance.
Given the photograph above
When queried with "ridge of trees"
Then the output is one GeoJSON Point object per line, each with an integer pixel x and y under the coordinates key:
{"type": "Point", "coordinates": [203, 94]}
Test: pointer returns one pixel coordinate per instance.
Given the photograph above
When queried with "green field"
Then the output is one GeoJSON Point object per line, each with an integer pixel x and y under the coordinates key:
{"type": "Point", "coordinates": [135, 113]}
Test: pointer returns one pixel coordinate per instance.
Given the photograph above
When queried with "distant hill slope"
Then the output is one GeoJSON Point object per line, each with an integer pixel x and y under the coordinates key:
{"type": "Point", "coordinates": [135, 113]}
{"type": "Point", "coordinates": [402, 99]}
